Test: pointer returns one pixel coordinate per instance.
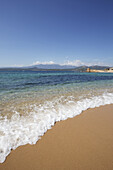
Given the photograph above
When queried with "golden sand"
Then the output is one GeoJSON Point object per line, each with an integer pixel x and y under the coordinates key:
{"type": "Point", "coordinates": [84, 142]}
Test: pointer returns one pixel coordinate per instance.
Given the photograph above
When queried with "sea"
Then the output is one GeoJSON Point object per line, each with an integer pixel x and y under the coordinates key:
{"type": "Point", "coordinates": [32, 101]}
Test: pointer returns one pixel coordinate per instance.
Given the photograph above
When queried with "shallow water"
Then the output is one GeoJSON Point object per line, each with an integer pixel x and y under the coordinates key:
{"type": "Point", "coordinates": [31, 102]}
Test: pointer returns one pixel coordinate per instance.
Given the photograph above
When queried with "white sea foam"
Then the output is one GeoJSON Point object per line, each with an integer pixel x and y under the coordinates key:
{"type": "Point", "coordinates": [21, 130]}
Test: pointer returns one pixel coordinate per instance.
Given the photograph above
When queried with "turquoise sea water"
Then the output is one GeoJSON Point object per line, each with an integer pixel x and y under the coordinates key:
{"type": "Point", "coordinates": [31, 102]}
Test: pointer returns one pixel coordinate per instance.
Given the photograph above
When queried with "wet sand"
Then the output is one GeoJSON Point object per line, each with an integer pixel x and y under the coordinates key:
{"type": "Point", "coordinates": [84, 142]}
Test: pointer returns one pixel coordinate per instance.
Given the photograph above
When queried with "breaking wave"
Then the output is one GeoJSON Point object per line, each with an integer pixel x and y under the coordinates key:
{"type": "Point", "coordinates": [28, 129]}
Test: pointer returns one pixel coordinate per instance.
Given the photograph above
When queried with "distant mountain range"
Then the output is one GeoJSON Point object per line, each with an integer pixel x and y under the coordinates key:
{"type": "Point", "coordinates": [62, 67]}
{"type": "Point", "coordinates": [44, 67]}
{"type": "Point", "coordinates": [52, 66]}
{"type": "Point", "coordinates": [96, 67]}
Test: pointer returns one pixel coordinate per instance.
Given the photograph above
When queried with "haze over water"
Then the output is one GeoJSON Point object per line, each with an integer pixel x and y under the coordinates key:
{"type": "Point", "coordinates": [31, 102]}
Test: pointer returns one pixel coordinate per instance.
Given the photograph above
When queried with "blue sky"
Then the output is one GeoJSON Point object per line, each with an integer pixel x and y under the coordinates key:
{"type": "Point", "coordinates": [56, 31]}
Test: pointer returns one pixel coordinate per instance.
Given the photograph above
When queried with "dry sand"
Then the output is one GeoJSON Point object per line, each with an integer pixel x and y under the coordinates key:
{"type": "Point", "coordinates": [81, 143]}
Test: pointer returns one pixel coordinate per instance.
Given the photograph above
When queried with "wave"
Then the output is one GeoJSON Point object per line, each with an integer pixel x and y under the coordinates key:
{"type": "Point", "coordinates": [21, 130]}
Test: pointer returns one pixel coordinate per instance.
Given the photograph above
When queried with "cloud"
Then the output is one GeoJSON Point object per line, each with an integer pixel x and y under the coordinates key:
{"type": "Point", "coordinates": [78, 63]}
{"type": "Point", "coordinates": [16, 65]}
{"type": "Point", "coordinates": [74, 63]}
{"type": "Point", "coordinates": [45, 62]}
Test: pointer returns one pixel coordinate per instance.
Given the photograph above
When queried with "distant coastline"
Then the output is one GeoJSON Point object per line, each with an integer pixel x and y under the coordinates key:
{"type": "Point", "coordinates": [109, 70]}
{"type": "Point", "coordinates": [95, 68]}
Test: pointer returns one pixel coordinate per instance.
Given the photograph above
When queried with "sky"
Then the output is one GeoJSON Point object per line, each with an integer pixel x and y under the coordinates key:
{"type": "Point", "coordinates": [56, 31]}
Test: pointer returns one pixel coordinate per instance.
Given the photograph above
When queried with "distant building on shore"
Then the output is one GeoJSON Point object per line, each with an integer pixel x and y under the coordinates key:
{"type": "Point", "coordinates": [109, 70]}
{"type": "Point", "coordinates": [88, 70]}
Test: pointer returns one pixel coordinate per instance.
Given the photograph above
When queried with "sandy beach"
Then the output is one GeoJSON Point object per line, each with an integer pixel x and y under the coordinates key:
{"type": "Point", "coordinates": [84, 142]}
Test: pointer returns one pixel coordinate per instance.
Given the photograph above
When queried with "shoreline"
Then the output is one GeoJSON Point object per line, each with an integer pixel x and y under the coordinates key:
{"type": "Point", "coordinates": [98, 71]}
{"type": "Point", "coordinates": [82, 142]}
